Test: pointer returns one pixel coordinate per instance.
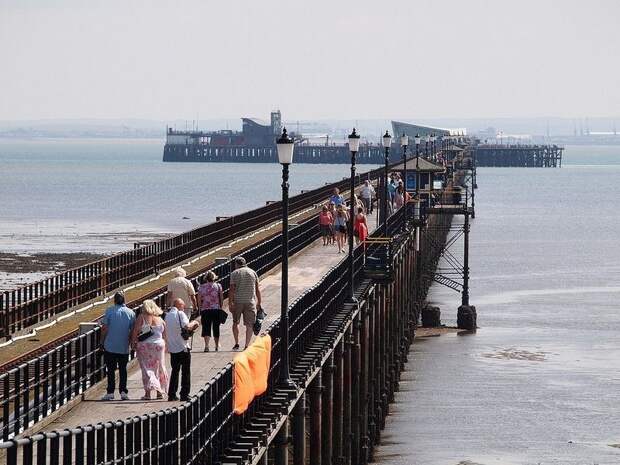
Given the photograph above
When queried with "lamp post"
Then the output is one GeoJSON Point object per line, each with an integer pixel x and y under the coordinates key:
{"type": "Point", "coordinates": [433, 147]}
{"type": "Point", "coordinates": [285, 147]}
{"type": "Point", "coordinates": [427, 139]}
{"type": "Point", "coordinates": [417, 176]}
{"type": "Point", "coordinates": [354, 145]}
{"type": "Point", "coordinates": [387, 143]}
{"type": "Point", "coordinates": [404, 142]}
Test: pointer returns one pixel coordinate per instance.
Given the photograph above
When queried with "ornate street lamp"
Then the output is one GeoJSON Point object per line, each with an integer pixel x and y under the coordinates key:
{"type": "Point", "coordinates": [404, 142]}
{"type": "Point", "coordinates": [285, 147]}
{"type": "Point", "coordinates": [417, 176]}
{"type": "Point", "coordinates": [433, 139]}
{"type": "Point", "coordinates": [427, 139]}
{"type": "Point", "coordinates": [354, 146]}
{"type": "Point", "coordinates": [387, 143]}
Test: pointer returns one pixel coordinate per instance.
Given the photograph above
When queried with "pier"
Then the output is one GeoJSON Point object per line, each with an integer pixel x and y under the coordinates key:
{"type": "Point", "coordinates": [345, 357]}
{"type": "Point", "coordinates": [524, 156]}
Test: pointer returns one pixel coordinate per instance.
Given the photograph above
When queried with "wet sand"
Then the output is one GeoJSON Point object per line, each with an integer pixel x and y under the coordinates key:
{"type": "Point", "coordinates": [39, 256]}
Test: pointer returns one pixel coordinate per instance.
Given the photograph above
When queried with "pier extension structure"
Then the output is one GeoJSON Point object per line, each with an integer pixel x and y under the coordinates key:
{"type": "Point", "coordinates": [525, 156]}
{"type": "Point", "coordinates": [256, 144]}
{"type": "Point", "coordinates": [346, 358]}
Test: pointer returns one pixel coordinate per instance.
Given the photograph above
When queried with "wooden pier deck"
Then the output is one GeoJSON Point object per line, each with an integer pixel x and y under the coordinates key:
{"type": "Point", "coordinates": [305, 269]}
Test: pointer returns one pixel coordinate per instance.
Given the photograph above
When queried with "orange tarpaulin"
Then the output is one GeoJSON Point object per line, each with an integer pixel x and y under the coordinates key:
{"type": "Point", "coordinates": [251, 370]}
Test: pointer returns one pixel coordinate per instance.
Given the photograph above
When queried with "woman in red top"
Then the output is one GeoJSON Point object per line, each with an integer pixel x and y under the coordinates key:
{"type": "Point", "coordinates": [360, 226]}
{"type": "Point", "coordinates": [325, 222]}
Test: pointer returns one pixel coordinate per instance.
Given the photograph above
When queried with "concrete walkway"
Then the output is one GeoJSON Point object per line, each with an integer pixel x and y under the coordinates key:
{"type": "Point", "coordinates": [305, 269]}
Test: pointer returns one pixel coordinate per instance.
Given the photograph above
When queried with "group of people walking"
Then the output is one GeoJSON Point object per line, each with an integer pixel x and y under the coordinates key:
{"type": "Point", "coordinates": [335, 221]}
{"type": "Point", "coordinates": [153, 333]}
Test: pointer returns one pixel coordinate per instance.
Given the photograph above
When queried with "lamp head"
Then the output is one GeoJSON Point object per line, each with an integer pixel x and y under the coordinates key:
{"type": "Point", "coordinates": [354, 141]}
{"type": "Point", "coordinates": [285, 147]}
{"type": "Point", "coordinates": [417, 139]}
{"type": "Point", "coordinates": [404, 140]}
{"type": "Point", "coordinates": [387, 140]}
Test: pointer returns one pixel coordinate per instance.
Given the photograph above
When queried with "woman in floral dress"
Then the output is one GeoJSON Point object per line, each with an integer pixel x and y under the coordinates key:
{"type": "Point", "coordinates": [150, 350]}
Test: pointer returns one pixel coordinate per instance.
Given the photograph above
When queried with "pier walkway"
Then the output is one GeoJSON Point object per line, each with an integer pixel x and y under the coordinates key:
{"type": "Point", "coordinates": [305, 269]}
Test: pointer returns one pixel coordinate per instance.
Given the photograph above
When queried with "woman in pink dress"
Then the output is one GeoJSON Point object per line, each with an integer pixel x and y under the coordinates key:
{"type": "Point", "coordinates": [149, 340]}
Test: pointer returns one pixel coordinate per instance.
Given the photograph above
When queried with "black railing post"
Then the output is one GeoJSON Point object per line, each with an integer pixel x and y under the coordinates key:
{"type": "Point", "coordinates": [351, 297]}
{"type": "Point", "coordinates": [285, 376]}
{"type": "Point", "coordinates": [465, 295]}
{"type": "Point", "coordinates": [385, 193]}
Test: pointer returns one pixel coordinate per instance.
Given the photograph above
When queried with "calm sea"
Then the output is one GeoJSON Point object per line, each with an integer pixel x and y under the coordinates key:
{"type": "Point", "coordinates": [101, 195]}
{"type": "Point", "coordinates": [539, 383]}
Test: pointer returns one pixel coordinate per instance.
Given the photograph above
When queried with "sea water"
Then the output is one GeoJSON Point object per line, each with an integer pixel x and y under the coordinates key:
{"type": "Point", "coordinates": [539, 382]}
{"type": "Point", "coordinates": [101, 195]}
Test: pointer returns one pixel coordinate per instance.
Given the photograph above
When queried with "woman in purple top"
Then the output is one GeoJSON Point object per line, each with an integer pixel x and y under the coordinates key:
{"type": "Point", "coordinates": [210, 302]}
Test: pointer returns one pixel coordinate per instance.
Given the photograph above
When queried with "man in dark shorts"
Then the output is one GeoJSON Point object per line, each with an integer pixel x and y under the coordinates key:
{"type": "Point", "coordinates": [243, 298]}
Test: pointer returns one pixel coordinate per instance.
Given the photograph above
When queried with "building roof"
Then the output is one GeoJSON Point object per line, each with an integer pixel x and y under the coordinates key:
{"type": "Point", "coordinates": [257, 121]}
{"type": "Point", "coordinates": [399, 128]}
{"type": "Point", "coordinates": [424, 166]}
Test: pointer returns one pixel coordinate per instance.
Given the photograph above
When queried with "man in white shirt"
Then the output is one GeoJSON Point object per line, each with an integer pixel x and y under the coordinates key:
{"type": "Point", "coordinates": [179, 348]}
{"type": "Point", "coordinates": [182, 288]}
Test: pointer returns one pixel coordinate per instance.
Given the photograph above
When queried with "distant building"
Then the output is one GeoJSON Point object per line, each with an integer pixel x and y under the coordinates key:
{"type": "Point", "coordinates": [399, 128]}
{"type": "Point", "coordinates": [254, 132]}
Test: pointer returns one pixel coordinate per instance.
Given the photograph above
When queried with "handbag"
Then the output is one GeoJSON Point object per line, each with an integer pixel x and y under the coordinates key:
{"type": "Point", "coordinates": [258, 323]}
{"type": "Point", "coordinates": [222, 315]}
{"type": "Point", "coordinates": [185, 333]}
{"type": "Point", "coordinates": [145, 332]}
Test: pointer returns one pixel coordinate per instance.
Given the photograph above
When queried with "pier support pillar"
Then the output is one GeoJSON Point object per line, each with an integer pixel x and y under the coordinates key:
{"type": "Point", "coordinates": [327, 408]}
{"type": "Point", "coordinates": [356, 365]}
{"type": "Point", "coordinates": [466, 317]}
{"type": "Point", "coordinates": [299, 431]}
{"type": "Point", "coordinates": [281, 445]}
{"type": "Point", "coordinates": [315, 420]}
{"type": "Point", "coordinates": [337, 457]}
{"type": "Point", "coordinates": [346, 395]}
{"type": "Point", "coordinates": [431, 316]}
{"type": "Point", "coordinates": [363, 394]}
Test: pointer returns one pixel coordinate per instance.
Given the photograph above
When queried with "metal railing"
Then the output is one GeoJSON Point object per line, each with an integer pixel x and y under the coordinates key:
{"type": "Point", "coordinates": [199, 430]}
{"type": "Point", "coordinates": [28, 305]}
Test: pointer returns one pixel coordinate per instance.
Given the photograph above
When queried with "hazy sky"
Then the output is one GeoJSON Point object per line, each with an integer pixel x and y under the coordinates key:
{"type": "Point", "coordinates": [312, 59]}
